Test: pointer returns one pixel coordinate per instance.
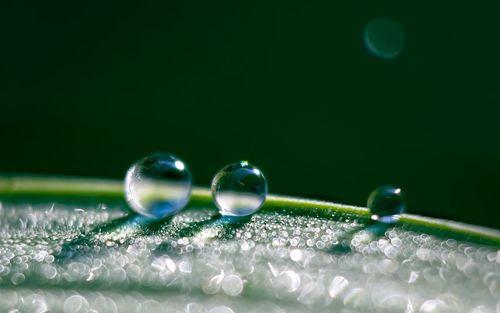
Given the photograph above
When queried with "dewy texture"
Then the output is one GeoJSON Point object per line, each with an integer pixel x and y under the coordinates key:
{"type": "Point", "coordinates": [97, 257]}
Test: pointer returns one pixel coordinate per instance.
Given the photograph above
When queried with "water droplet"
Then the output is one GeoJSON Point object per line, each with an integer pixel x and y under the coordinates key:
{"type": "Point", "coordinates": [337, 286]}
{"type": "Point", "coordinates": [239, 189]}
{"type": "Point", "coordinates": [158, 185]}
{"type": "Point", "coordinates": [213, 285]}
{"type": "Point", "coordinates": [232, 285]}
{"type": "Point", "coordinates": [18, 278]}
{"type": "Point", "coordinates": [386, 204]}
{"type": "Point", "coordinates": [185, 267]}
{"type": "Point", "coordinates": [288, 281]}
{"type": "Point", "coordinates": [105, 305]}
{"type": "Point", "coordinates": [34, 303]}
{"type": "Point", "coordinates": [75, 304]}
{"type": "Point", "coordinates": [295, 255]}
{"type": "Point", "coordinates": [384, 37]}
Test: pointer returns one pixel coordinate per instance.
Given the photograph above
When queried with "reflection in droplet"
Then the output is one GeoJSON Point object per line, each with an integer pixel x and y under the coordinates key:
{"type": "Point", "coordinates": [384, 37]}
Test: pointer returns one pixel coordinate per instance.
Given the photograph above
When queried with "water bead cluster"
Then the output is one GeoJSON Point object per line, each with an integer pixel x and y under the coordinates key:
{"type": "Point", "coordinates": [160, 184]}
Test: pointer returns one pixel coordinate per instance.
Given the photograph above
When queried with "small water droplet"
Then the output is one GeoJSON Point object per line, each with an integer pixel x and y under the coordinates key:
{"type": "Point", "coordinates": [386, 204]}
{"type": "Point", "coordinates": [158, 185]}
{"type": "Point", "coordinates": [288, 281]}
{"type": "Point", "coordinates": [18, 278]}
{"type": "Point", "coordinates": [185, 267]}
{"type": "Point", "coordinates": [384, 38]}
{"type": "Point", "coordinates": [239, 189]}
{"type": "Point", "coordinates": [337, 286]}
{"type": "Point", "coordinates": [75, 304]}
{"type": "Point", "coordinates": [213, 285]}
{"type": "Point", "coordinates": [232, 285]}
{"type": "Point", "coordinates": [295, 255]}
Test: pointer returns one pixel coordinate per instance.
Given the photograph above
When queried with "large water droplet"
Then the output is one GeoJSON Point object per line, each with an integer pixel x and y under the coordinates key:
{"type": "Point", "coordinates": [386, 204]}
{"type": "Point", "coordinates": [158, 185]}
{"type": "Point", "coordinates": [384, 37]}
{"type": "Point", "coordinates": [239, 189]}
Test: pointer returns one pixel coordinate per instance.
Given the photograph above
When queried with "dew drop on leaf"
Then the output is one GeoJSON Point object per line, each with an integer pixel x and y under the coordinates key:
{"type": "Point", "coordinates": [158, 185]}
{"type": "Point", "coordinates": [239, 189]}
{"type": "Point", "coordinates": [386, 204]}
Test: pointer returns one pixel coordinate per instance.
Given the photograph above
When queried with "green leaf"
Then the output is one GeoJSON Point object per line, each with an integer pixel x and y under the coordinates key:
{"type": "Point", "coordinates": [72, 245]}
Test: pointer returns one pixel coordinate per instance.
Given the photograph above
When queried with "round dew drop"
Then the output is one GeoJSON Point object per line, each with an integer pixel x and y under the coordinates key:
{"type": "Point", "coordinates": [158, 185]}
{"type": "Point", "coordinates": [239, 189]}
{"type": "Point", "coordinates": [386, 203]}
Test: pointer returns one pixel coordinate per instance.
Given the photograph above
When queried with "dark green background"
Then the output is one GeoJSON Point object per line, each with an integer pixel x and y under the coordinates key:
{"type": "Point", "coordinates": [88, 88]}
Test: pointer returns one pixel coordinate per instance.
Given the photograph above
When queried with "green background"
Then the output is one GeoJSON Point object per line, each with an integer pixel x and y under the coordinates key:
{"type": "Point", "coordinates": [87, 88]}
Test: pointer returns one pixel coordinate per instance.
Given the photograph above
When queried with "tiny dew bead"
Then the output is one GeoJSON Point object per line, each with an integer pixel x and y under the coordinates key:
{"type": "Point", "coordinates": [386, 204]}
